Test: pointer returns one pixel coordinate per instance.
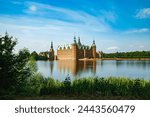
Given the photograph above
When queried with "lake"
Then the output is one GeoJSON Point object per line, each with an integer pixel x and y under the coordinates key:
{"type": "Point", "coordinates": [100, 68]}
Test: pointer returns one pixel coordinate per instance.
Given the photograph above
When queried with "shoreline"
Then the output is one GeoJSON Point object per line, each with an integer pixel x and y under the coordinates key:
{"type": "Point", "coordinates": [86, 59]}
{"type": "Point", "coordinates": [143, 59]}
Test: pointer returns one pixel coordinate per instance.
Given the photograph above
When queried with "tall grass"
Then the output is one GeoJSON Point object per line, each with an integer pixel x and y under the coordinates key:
{"type": "Point", "coordinates": [112, 86]}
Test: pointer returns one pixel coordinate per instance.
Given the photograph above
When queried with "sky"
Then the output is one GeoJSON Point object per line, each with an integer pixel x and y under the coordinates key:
{"type": "Point", "coordinates": [115, 25]}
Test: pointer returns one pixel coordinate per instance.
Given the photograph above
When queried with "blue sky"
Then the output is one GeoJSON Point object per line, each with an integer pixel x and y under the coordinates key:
{"type": "Point", "coordinates": [115, 25]}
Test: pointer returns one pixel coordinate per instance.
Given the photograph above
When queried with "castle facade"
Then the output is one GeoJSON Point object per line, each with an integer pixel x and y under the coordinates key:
{"type": "Point", "coordinates": [77, 51]}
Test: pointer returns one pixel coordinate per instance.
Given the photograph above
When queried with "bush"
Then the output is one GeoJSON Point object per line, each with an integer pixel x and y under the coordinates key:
{"type": "Point", "coordinates": [123, 87]}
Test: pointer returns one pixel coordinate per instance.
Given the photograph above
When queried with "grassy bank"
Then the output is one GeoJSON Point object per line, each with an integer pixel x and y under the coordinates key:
{"type": "Point", "coordinates": [89, 88]}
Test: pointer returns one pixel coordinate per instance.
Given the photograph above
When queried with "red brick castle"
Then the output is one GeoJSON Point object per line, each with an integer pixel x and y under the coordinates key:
{"type": "Point", "coordinates": [77, 51]}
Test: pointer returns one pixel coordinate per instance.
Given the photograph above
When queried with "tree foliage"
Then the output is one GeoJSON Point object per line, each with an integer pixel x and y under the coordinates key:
{"type": "Point", "coordinates": [136, 54]}
{"type": "Point", "coordinates": [13, 67]}
{"type": "Point", "coordinates": [35, 56]}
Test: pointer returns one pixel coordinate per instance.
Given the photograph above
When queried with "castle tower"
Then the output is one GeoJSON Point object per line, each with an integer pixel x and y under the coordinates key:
{"type": "Point", "coordinates": [51, 45]}
{"type": "Point", "coordinates": [75, 39]}
{"type": "Point", "coordinates": [74, 50]}
{"type": "Point", "coordinates": [51, 52]}
{"type": "Point", "coordinates": [94, 50]}
{"type": "Point", "coordinates": [79, 43]}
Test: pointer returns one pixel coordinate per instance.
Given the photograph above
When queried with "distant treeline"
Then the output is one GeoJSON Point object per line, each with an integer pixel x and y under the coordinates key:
{"type": "Point", "coordinates": [136, 54]}
{"type": "Point", "coordinates": [36, 56]}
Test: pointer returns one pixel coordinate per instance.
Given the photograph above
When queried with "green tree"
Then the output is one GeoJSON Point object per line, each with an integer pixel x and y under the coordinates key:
{"type": "Point", "coordinates": [13, 67]}
{"type": "Point", "coordinates": [34, 55]}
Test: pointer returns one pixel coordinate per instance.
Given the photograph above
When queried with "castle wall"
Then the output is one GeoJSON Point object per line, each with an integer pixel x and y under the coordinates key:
{"type": "Point", "coordinates": [64, 54]}
{"type": "Point", "coordinates": [94, 52]}
{"type": "Point", "coordinates": [80, 54]}
{"type": "Point", "coordinates": [75, 53]}
{"type": "Point", "coordinates": [70, 53]}
{"type": "Point", "coordinates": [84, 53]}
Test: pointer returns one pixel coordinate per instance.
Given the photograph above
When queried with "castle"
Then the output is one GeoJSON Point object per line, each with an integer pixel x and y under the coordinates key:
{"type": "Point", "coordinates": [76, 51]}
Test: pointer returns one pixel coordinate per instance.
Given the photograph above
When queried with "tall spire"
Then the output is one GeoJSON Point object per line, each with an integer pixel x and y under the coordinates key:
{"type": "Point", "coordinates": [74, 39]}
{"type": "Point", "coordinates": [93, 43]}
{"type": "Point", "coordinates": [51, 45]}
{"type": "Point", "coordinates": [79, 43]}
{"type": "Point", "coordinates": [6, 33]}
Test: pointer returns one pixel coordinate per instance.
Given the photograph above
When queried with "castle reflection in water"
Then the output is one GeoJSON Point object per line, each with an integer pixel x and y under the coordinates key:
{"type": "Point", "coordinates": [102, 68]}
{"type": "Point", "coordinates": [74, 67]}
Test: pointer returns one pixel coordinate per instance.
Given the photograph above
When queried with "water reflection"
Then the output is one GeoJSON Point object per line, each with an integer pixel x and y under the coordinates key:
{"type": "Point", "coordinates": [133, 63]}
{"type": "Point", "coordinates": [61, 68]}
{"type": "Point", "coordinates": [51, 64]}
{"type": "Point", "coordinates": [76, 67]}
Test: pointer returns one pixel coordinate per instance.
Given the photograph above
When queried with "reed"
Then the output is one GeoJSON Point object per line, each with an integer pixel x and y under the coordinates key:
{"type": "Point", "coordinates": [111, 86]}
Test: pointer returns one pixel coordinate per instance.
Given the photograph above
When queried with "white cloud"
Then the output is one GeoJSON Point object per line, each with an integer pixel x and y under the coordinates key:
{"type": "Point", "coordinates": [78, 18]}
{"type": "Point", "coordinates": [32, 8]}
{"type": "Point", "coordinates": [143, 13]}
{"type": "Point", "coordinates": [45, 29]}
{"type": "Point", "coordinates": [40, 31]}
{"type": "Point", "coordinates": [113, 48]}
{"type": "Point", "coordinates": [142, 30]}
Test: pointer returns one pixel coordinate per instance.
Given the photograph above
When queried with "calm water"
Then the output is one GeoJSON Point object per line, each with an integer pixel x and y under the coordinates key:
{"type": "Point", "coordinates": [60, 69]}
